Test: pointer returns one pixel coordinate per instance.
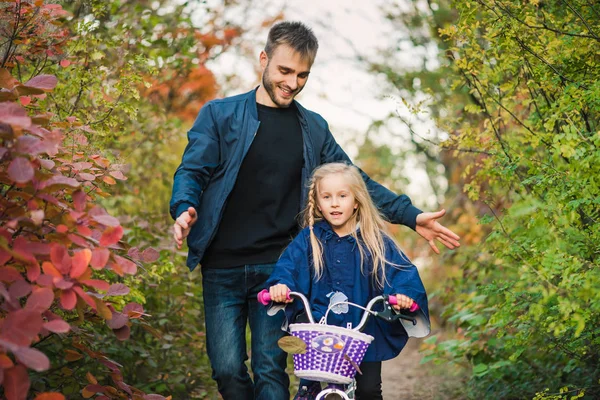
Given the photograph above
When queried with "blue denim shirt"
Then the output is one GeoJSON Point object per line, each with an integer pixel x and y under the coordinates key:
{"type": "Point", "coordinates": [342, 273]}
{"type": "Point", "coordinates": [217, 144]}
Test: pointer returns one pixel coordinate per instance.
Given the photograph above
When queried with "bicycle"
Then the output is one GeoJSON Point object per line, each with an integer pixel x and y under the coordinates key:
{"type": "Point", "coordinates": [332, 354]}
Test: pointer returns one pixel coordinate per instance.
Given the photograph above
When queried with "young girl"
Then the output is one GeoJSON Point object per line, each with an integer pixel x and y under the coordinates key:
{"type": "Point", "coordinates": [344, 251]}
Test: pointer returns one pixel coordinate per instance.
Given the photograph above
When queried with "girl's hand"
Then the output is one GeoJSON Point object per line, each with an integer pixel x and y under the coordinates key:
{"type": "Point", "coordinates": [279, 293]}
{"type": "Point", "coordinates": [403, 302]}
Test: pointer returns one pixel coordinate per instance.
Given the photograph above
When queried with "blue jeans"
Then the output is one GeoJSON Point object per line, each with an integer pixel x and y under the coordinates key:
{"type": "Point", "coordinates": [229, 303]}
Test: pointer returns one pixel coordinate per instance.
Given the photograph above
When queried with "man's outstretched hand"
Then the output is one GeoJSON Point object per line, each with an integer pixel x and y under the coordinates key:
{"type": "Point", "coordinates": [183, 224]}
{"type": "Point", "coordinates": [430, 229]}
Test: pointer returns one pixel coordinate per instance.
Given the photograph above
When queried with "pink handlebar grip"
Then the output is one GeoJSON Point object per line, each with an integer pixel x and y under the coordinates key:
{"type": "Point", "coordinates": [264, 297]}
{"type": "Point", "coordinates": [393, 300]}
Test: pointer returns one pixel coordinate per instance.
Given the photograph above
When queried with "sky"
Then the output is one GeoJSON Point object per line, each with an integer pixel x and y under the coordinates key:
{"type": "Point", "coordinates": [340, 89]}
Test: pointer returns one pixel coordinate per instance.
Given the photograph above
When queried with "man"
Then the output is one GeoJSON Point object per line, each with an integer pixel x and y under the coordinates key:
{"type": "Point", "coordinates": [236, 196]}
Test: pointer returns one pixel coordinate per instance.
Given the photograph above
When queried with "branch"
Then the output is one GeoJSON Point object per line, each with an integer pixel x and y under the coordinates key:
{"type": "Point", "coordinates": [107, 114]}
{"type": "Point", "coordinates": [529, 50]}
{"type": "Point", "coordinates": [582, 20]}
{"type": "Point", "coordinates": [543, 26]}
{"type": "Point", "coordinates": [544, 279]}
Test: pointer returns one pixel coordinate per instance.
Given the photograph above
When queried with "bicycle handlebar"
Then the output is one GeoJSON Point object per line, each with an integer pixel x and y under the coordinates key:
{"type": "Point", "coordinates": [264, 297]}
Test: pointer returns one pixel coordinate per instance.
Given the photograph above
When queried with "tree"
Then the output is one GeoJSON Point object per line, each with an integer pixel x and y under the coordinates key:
{"type": "Point", "coordinates": [517, 91]}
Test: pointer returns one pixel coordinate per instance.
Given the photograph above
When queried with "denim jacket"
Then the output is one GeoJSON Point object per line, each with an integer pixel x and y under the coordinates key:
{"type": "Point", "coordinates": [342, 273]}
{"type": "Point", "coordinates": [217, 145]}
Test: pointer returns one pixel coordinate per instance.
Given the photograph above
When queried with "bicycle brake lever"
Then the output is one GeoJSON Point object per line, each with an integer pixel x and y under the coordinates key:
{"type": "Point", "coordinates": [390, 315]}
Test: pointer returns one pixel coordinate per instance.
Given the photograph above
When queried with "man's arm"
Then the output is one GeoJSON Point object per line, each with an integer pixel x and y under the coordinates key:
{"type": "Point", "coordinates": [398, 209]}
{"type": "Point", "coordinates": [199, 159]}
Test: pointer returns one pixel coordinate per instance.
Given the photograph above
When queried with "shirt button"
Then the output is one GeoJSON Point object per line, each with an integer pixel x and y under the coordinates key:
{"type": "Point", "coordinates": [337, 261]}
{"type": "Point", "coordinates": [339, 240]}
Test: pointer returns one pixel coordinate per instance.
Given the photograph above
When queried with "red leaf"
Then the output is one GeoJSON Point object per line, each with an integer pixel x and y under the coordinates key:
{"type": "Point", "coordinates": [60, 258]}
{"type": "Point", "coordinates": [78, 240]}
{"type": "Point", "coordinates": [5, 362]}
{"type": "Point", "coordinates": [20, 170]}
{"type": "Point", "coordinates": [14, 114]}
{"type": "Point", "coordinates": [122, 384]}
{"type": "Point", "coordinates": [79, 197]}
{"type": "Point", "coordinates": [25, 100]}
{"type": "Point", "coordinates": [23, 250]}
{"type": "Point", "coordinates": [7, 81]}
{"type": "Point", "coordinates": [50, 396]}
{"type": "Point", "coordinates": [107, 220]}
{"type": "Point", "coordinates": [117, 321]}
{"type": "Point", "coordinates": [87, 176]}
{"type": "Point", "coordinates": [95, 389]}
{"type": "Point", "coordinates": [150, 255]}
{"type": "Point", "coordinates": [38, 248]}
{"type": "Point", "coordinates": [117, 269]}
{"type": "Point", "coordinates": [128, 266]}
{"type": "Point", "coordinates": [4, 257]}
{"type": "Point", "coordinates": [4, 292]}
{"type": "Point", "coordinates": [40, 300]}
{"type": "Point", "coordinates": [122, 333]}
{"type": "Point", "coordinates": [68, 299]}
{"type": "Point", "coordinates": [81, 260]}
{"type": "Point", "coordinates": [118, 175]}
{"type": "Point", "coordinates": [97, 283]}
{"type": "Point", "coordinates": [117, 289]}
{"type": "Point", "coordinates": [65, 63]}
{"type": "Point", "coordinates": [48, 164]}
{"type": "Point", "coordinates": [99, 258]}
{"type": "Point", "coordinates": [133, 310]}
{"type": "Point", "coordinates": [111, 235]}
{"type": "Point", "coordinates": [59, 180]}
{"type": "Point", "coordinates": [16, 383]}
{"type": "Point", "coordinates": [84, 230]}
{"type": "Point", "coordinates": [154, 397]}
{"type": "Point", "coordinates": [19, 289]}
{"type": "Point", "coordinates": [50, 269]}
{"type": "Point", "coordinates": [63, 284]}
{"type": "Point", "coordinates": [134, 253]}
{"type": "Point", "coordinates": [33, 358]}
{"type": "Point", "coordinates": [21, 327]}
{"type": "Point", "coordinates": [45, 82]}
{"type": "Point", "coordinates": [33, 272]}
{"type": "Point", "coordinates": [62, 228]}
{"type": "Point", "coordinates": [10, 274]}
{"type": "Point", "coordinates": [45, 280]}
{"type": "Point", "coordinates": [57, 326]}
{"type": "Point", "coordinates": [86, 297]}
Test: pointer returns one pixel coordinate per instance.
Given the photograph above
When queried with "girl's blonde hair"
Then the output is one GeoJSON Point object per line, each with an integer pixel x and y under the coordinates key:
{"type": "Point", "coordinates": [367, 216]}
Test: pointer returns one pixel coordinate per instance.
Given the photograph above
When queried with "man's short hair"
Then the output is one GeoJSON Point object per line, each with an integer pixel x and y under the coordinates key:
{"type": "Point", "coordinates": [294, 34]}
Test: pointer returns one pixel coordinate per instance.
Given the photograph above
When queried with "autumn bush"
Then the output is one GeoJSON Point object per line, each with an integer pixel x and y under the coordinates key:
{"type": "Point", "coordinates": [94, 102]}
{"type": "Point", "coordinates": [61, 259]}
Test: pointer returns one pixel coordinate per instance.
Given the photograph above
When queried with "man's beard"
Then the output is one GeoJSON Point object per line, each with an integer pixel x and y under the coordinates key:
{"type": "Point", "coordinates": [270, 88]}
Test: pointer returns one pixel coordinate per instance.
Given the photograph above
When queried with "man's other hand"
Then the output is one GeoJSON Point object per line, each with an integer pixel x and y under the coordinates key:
{"type": "Point", "coordinates": [431, 229]}
{"type": "Point", "coordinates": [183, 225]}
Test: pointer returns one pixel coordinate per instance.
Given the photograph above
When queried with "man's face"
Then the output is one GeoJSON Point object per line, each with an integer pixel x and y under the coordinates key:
{"type": "Point", "coordinates": [284, 75]}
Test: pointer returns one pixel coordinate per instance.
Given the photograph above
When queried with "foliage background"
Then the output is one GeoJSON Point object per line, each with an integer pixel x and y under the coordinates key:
{"type": "Point", "coordinates": [513, 87]}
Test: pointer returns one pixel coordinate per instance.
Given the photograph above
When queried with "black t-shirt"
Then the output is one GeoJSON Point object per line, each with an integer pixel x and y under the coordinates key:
{"type": "Point", "coordinates": [260, 217]}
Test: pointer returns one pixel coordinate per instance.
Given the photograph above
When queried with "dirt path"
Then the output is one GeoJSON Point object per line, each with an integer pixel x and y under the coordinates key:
{"type": "Point", "coordinates": [405, 379]}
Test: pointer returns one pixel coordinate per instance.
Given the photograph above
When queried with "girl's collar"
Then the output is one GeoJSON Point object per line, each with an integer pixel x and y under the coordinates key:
{"type": "Point", "coordinates": [326, 232]}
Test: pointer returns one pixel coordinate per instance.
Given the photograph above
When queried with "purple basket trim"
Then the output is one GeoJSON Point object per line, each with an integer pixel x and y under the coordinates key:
{"type": "Point", "coordinates": [314, 361]}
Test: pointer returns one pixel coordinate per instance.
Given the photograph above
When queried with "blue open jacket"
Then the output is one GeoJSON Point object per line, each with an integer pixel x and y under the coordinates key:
{"type": "Point", "coordinates": [217, 145]}
{"type": "Point", "coordinates": [342, 273]}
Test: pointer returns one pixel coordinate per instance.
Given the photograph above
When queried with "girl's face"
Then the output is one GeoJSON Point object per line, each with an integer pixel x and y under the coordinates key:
{"type": "Point", "coordinates": [336, 202]}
